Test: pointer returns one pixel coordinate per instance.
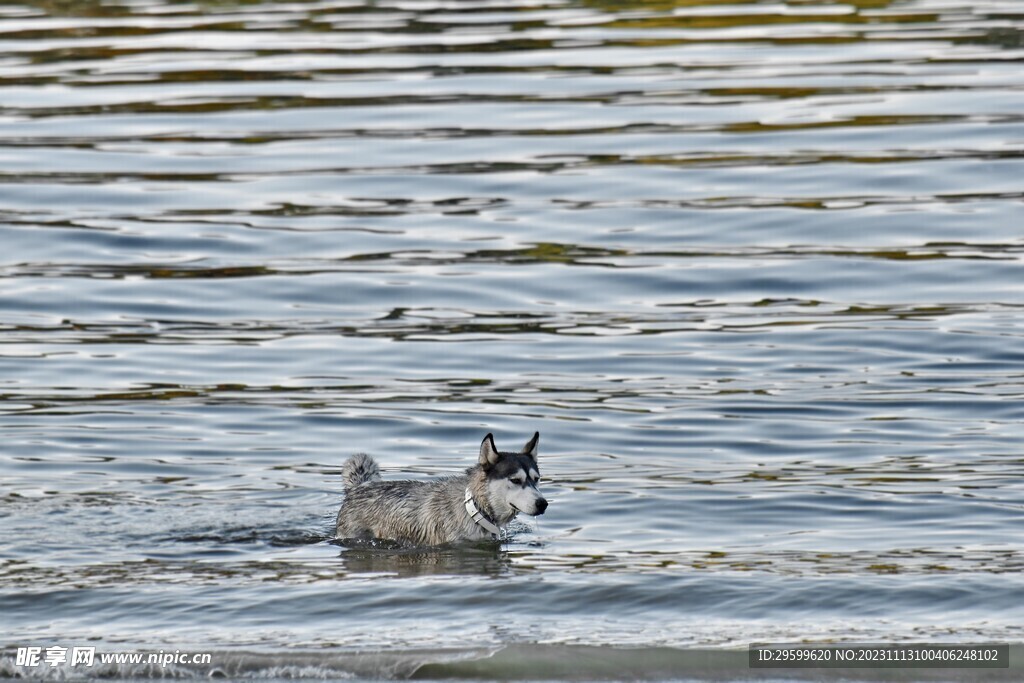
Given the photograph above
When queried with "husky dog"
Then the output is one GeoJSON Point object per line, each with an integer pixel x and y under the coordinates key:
{"type": "Point", "coordinates": [469, 507]}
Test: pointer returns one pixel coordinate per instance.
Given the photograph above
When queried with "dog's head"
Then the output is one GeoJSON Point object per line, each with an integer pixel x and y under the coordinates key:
{"type": "Point", "coordinates": [512, 478]}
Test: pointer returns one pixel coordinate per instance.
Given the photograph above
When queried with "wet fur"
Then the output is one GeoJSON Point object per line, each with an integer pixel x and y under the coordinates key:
{"type": "Point", "coordinates": [428, 513]}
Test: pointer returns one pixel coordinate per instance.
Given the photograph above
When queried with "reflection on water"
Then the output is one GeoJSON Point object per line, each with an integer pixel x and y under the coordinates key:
{"type": "Point", "coordinates": [751, 268]}
{"type": "Point", "coordinates": [476, 561]}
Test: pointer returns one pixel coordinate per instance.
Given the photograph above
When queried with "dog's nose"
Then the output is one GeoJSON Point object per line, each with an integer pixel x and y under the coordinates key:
{"type": "Point", "coordinates": [542, 505]}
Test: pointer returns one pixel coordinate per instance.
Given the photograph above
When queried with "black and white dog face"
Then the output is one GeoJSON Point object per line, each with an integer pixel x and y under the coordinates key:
{"type": "Point", "coordinates": [512, 478]}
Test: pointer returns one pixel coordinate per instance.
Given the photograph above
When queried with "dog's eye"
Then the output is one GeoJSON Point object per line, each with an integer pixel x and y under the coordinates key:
{"type": "Point", "coordinates": [518, 481]}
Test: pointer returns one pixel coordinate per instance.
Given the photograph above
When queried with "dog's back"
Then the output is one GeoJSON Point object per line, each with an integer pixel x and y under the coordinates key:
{"type": "Point", "coordinates": [416, 512]}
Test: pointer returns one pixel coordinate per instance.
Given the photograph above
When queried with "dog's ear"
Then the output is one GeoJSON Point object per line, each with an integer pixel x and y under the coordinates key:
{"type": "Point", "coordinates": [488, 451]}
{"type": "Point", "coordinates": [530, 448]}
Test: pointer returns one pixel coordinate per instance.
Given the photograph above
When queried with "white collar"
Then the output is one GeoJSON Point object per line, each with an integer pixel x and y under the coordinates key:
{"type": "Point", "coordinates": [479, 517]}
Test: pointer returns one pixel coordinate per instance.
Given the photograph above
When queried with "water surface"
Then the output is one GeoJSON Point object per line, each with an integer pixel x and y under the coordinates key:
{"type": "Point", "coordinates": [753, 270]}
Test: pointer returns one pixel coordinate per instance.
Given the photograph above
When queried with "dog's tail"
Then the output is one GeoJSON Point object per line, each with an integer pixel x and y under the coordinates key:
{"type": "Point", "coordinates": [359, 469]}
